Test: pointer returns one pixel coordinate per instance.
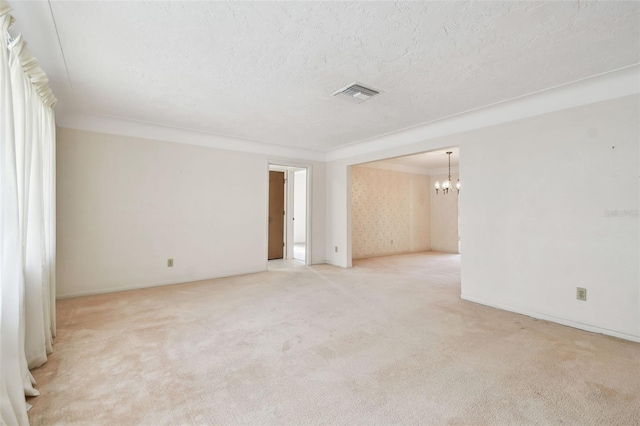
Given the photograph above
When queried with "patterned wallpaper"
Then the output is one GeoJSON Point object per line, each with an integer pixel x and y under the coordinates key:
{"type": "Point", "coordinates": [390, 212]}
{"type": "Point", "coordinates": [444, 217]}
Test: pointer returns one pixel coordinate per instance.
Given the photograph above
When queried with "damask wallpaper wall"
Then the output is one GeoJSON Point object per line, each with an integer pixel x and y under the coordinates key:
{"type": "Point", "coordinates": [444, 217]}
{"type": "Point", "coordinates": [390, 212]}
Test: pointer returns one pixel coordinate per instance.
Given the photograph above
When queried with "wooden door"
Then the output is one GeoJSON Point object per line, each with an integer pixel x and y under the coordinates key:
{"type": "Point", "coordinates": [276, 215]}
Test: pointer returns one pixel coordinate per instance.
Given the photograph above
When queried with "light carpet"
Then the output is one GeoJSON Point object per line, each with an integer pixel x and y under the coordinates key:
{"type": "Point", "coordinates": [387, 342]}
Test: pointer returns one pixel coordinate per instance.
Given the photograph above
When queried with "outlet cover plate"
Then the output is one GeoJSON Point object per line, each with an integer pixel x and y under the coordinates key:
{"type": "Point", "coordinates": [581, 293]}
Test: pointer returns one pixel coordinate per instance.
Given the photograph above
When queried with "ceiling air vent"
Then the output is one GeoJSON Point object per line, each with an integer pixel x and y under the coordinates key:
{"type": "Point", "coordinates": [356, 93]}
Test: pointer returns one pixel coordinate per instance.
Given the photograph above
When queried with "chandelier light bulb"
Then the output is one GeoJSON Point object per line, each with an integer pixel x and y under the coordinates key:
{"type": "Point", "coordinates": [447, 184]}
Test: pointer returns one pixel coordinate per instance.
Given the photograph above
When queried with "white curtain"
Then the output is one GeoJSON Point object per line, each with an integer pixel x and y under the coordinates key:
{"type": "Point", "coordinates": [27, 221]}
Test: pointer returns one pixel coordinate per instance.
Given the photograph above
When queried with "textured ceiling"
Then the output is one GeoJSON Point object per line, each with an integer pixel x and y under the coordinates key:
{"type": "Point", "coordinates": [265, 71]}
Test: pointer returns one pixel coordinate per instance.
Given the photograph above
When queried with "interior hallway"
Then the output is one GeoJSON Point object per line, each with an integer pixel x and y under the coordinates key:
{"type": "Point", "coordinates": [388, 341]}
{"type": "Point", "coordinates": [299, 250]}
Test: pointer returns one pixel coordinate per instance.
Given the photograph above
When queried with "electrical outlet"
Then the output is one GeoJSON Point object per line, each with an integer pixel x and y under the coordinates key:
{"type": "Point", "coordinates": [581, 293]}
{"type": "Point", "coordinates": [391, 241]}
{"type": "Point", "coordinates": [170, 263]}
{"type": "Point", "coordinates": [336, 249]}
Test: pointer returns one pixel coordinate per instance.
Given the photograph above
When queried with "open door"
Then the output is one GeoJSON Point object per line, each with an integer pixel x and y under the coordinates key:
{"type": "Point", "coordinates": [276, 215]}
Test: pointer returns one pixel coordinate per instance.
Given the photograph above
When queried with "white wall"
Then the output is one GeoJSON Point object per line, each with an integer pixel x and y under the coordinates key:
{"type": "Point", "coordinates": [444, 216]}
{"type": "Point", "coordinates": [532, 213]}
{"type": "Point", "coordinates": [338, 187]}
{"type": "Point", "coordinates": [126, 205]}
{"type": "Point", "coordinates": [534, 216]}
{"type": "Point", "coordinates": [390, 212]}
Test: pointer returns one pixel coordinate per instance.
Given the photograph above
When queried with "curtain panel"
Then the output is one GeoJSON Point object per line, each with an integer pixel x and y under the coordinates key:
{"type": "Point", "coordinates": [27, 221]}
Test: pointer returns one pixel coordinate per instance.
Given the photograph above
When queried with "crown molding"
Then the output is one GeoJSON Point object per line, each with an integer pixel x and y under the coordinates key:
{"type": "Point", "coordinates": [603, 87]}
{"type": "Point", "coordinates": [139, 129]}
{"type": "Point", "coordinates": [616, 84]}
{"type": "Point", "coordinates": [606, 86]}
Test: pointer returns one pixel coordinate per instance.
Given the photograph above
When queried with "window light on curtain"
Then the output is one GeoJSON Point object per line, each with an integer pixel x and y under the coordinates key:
{"type": "Point", "coordinates": [27, 221]}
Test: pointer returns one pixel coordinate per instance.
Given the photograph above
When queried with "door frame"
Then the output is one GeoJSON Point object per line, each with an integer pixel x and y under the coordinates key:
{"type": "Point", "coordinates": [286, 166]}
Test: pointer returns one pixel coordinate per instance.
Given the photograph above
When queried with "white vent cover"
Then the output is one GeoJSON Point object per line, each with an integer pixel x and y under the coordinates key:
{"type": "Point", "coordinates": [356, 92]}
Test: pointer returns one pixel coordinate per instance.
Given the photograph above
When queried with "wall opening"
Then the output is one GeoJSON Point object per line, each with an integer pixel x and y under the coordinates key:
{"type": "Point", "coordinates": [296, 234]}
{"type": "Point", "coordinates": [395, 208]}
{"type": "Point", "coordinates": [299, 218]}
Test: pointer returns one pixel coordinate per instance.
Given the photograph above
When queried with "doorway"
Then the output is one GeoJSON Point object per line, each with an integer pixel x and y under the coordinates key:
{"type": "Point", "coordinates": [299, 218]}
{"type": "Point", "coordinates": [289, 212]}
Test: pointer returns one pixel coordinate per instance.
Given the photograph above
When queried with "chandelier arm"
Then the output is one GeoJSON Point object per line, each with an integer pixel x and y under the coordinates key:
{"type": "Point", "coordinates": [446, 185]}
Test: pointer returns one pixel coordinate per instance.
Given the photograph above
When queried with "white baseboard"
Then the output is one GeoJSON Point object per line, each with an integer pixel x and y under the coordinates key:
{"type": "Point", "coordinates": [139, 287]}
{"type": "Point", "coordinates": [558, 320]}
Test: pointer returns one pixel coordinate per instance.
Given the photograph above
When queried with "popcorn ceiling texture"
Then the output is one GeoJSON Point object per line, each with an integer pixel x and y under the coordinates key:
{"type": "Point", "coordinates": [265, 70]}
{"type": "Point", "coordinates": [389, 212]}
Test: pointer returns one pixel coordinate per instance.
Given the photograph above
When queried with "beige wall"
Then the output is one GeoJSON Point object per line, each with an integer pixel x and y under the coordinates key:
{"type": "Point", "coordinates": [444, 217]}
{"type": "Point", "coordinates": [390, 212]}
{"type": "Point", "coordinates": [125, 205]}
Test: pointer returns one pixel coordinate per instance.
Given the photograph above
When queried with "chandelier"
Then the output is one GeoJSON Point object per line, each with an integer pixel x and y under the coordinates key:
{"type": "Point", "coordinates": [446, 185]}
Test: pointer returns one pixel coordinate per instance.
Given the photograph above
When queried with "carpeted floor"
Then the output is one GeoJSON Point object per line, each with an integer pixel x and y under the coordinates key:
{"type": "Point", "coordinates": [388, 341]}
